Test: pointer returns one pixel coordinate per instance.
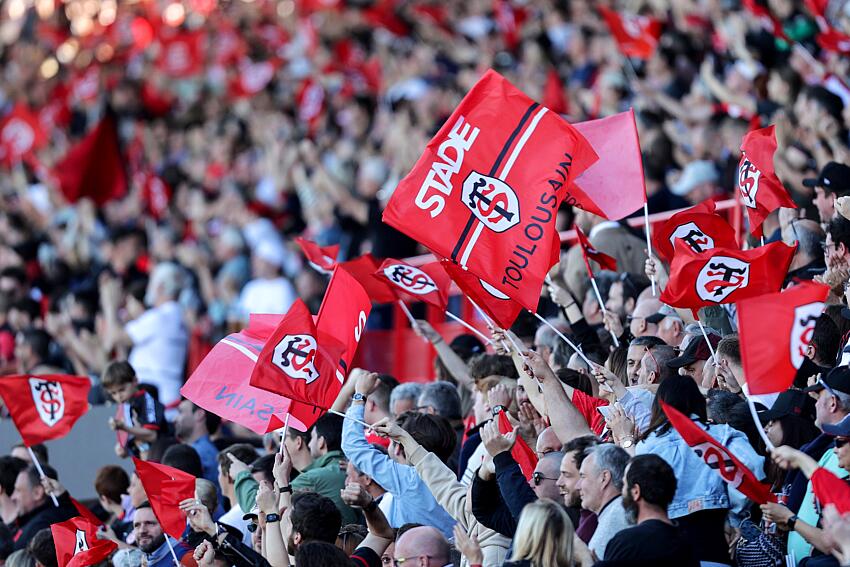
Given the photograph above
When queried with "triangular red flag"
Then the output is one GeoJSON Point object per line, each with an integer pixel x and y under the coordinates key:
{"type": "Point", "coordinates": [761, 191]}
{"type": "Point", "coordinates": [613, 187]}
{"type": "Point", "coordinates": [94, 167]}
{"type": "Point", "coordinates": [718, 457]}
{"type": "Point", "coordinates": [428, 283]}
{"type": "Point", "coordinates": [166, 487]}
{"type": "Point", "coordinates": [20, 134]}
{"type": "Point", "coordinates": [77, 544]}
{"type": "Point", "coordinates": [85, 512]}
{"type": "Point", "coordinates": [252, 77]}
{"type": "Point", "coordinates": [775, 329]}
{"type": "Point", "coordinates": [485, 191]}
{"type": "Point", "coordinates": [588, 252]}
{"type": "Point", "coordinates": [498, 306]}
{"type": "Point", "coordinates": [725, 275]}
{"type": "Point", "coordinates": [521, 452]}
{"type": "Point", "coordinates": [363, 269]}
{"type": "Point", "coordinates": [45, 407]}
{"type": "Point", "coordinates": [829, 489]}
{"type": "Point", "coordinates": [636, 36]}
{"type": "Point", "coordinates": [321, 258]}
{"type": "Point", "coordinates": [698, 227]}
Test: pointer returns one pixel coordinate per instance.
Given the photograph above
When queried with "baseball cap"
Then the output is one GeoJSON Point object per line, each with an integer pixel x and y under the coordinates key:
{"type": "Point", "coordinates": [834, 176]}
{"type": "Point", "coordinates": [842, 428]}
{"type": "Point", "coordinates": [789, 402]}
{"type": "Point", "coordinates": [695, 173]}
{"type": "Point", "coordinates": [696, 350]}
{"type": "Point", "coordinates": [838, 379]}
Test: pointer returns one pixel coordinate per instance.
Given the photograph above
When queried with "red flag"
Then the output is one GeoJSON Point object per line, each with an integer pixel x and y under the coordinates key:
{"type": "Point", "coordinates": [636, 36]}
{"type": "Point", "coordinates": [45, 407]}
{"type": "Point", "coordinates": [613, 187]}
{"type": "Point", "coordinates": [166, 487]}
{"type": "Point", "coordinates": [252, 78]}
{"type": "Point", "coordinates": [77, 544]}
{"type": "Point", "coordinates": [296, 365]}
{"type": "Point", "coordinates": [506, 159]}
{"type": "Point", "coordinates": [181, 55]}
{"type": "Point", "coordinates": [718, 457]}
{"type": "Point", "coordinates": [521, 452]}
{"type": "Point", "coordinates": [94, 167]}
{"type": "Point", "coordinates": [156, 194]}
{"type": "Point", "coordinates": [829, 38]}
{"type": "Point", "coordinates": [768, 21]}
{"type": "Point", "coordinates": [429, 283]}
{"type": "Point", "coordinates": [321, 258]}
{"type": "Point", "coordinates": [85, 512]}
{"type": "Point", "coordinates": [761, 191]}
{"type": "Point", "coordinates": [20, 134]}
{"type": "Point", "coordinates": [588, 252]}
{"type": "Point", "coordinates": [554, 97]}
{"type": "Point", "coordinates": [498, 306]}
{"type": "Point", "coordinates": [775, 330]}
{"type": "Point", "coordinates": [725, 275]}
{"type": "Point", "coordinates": [363, 268]}
{"type": "Point", "coordinates": [220, 384]}
{"type": "Point", "coordinates": [829, 489]}
{"type": "Point", "coordinates": [698, 227]}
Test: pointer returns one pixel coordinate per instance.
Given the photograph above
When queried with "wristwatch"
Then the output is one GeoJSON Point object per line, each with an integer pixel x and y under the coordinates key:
{"type": "Point", "coordinates": [627, 442]}
{"type": "Point", "coordinates": [791, 522]}
{"type": "Point", "coordinates": [358, 397]}
{"type": "Point", "coordinates": [498, 409]}
{"type": "Point", "coordinates": [284, 489]}
{"type": "Point", "coordinates": [272, 518]}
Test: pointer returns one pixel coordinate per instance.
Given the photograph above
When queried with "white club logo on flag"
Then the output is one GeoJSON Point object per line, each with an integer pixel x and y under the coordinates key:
{"type": "Point", "coordinates": [80, 544]}
{"type": "Point", "coordinates": [748, 181]}
{"type": "Point", "coordinates": [693, 236]}
{"type": "Point", "coordinates": [720, 277]}
{"type": "Point", "coordinates": [720, 461]}
{"type": "Point", "coordinates": [295, 355]}
{"type": "Point", "coordinates": [491, 200]}
{"type": "Point", "coordinates": [49, 400]}
{"type": "Point", "coordinates": [410, 279]}
{"type": "Point", "coordinates": [18, 135]}
{"type": "Point", "coordinates": [805, 317]}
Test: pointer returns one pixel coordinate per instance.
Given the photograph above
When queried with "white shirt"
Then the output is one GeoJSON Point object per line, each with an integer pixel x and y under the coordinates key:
{"type": "Point", "coordinates": [233, 518]}
{"type": "Point", "coordinates": [266, 296]}
{"type": "Point", "coordinates": [159, 348]}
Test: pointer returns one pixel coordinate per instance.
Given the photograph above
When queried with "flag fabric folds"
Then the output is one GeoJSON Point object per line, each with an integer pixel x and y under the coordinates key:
{"type": "Point", "coordinates": [77, 544]}
{"type": "Point", "coordinates": [699, 227]}
{"type": "Point", "coordinates": [499, 307]}
{"type": "Point", "coordinates": [636, 36]}
{"type": "Point", "coordinates": [829, 489]}
{"type": "Point", "coordinates": [322, 258]}
{"type": "Point", "coordinates": [521, 452]}
{"type": "Point", "coordinates": [761, 191]}
{"type": "Point", "coordinates": [165, 488]}
{"type": "Point", "coordinates": [45, 407]}
{"type": "Point", "coordinates": [588, 252]}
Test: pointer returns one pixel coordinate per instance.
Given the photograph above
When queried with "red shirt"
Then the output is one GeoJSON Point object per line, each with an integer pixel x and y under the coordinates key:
{"type": "Point", "coordinates": [586, 405]}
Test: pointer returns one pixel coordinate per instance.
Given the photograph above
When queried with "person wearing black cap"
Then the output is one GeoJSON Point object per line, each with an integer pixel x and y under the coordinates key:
{"type": "Point", "coordinates": [832, 182]}
{"type": "Point", "coordinates": [692, 361]}
{"type": "Point", "coordinates": [789, 422]}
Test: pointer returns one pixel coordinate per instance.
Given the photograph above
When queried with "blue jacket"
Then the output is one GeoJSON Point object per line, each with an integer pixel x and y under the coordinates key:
{"type": "Point", "coordinates": [161, 557]}
{"type": "Point", "coordinates": [700, 487]}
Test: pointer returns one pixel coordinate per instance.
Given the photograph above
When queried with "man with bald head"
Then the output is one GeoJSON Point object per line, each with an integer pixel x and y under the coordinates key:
{"type": "Point", "coordinates": [422, 546]}
{"type": "Point", "coordinates": [545, 476]}
{"type": "Point", "coordinates": [547, 442]}
{"type": "Point", "coordinates": [640, 325]}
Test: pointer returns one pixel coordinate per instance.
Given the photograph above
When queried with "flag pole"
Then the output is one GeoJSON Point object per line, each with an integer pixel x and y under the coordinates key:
{"type": "Point", "coordinates": [759, 427]}
{"type": "Point", "coordinates": [563, 338]}
{"type": "Point", "coordinates": [468, 326]}
{"type": "Point", "coordinates": [648, 242]}
{"type": "Point", "coordinates": [171, 549]}
{"type": "Point", "coordinates": [41, 473]}
{"type": "Point", "coordinates": [602, 307]}
{"type": "Point", "coordinates": [708, 342]}
{"type": "Point", "coordinates": [283, 435]}
{"type": "Point", "coordinates": [413, 324]}
{"type": "Point", "coordinates": [487, 319]}
{"type": "Point", "coordinates": [355, 420]}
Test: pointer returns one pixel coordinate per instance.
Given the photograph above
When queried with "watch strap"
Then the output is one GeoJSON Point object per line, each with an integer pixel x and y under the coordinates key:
{"type": "Point", "coordinates": [272, 518]}
{"type": "Point", "coordinates": [284, 489]}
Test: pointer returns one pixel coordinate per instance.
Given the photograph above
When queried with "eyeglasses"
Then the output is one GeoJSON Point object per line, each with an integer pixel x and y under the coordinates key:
{"type": "Point", "coordinates": [400, 561]}
{"type": "Point", "coordinates": [841, 441]}
{"type": "Point", "coordinates": [829, 390]}
{"type": "Point", "coordinates": [537, 478]}
{"type": "Point", "coordinates": [252, 527]}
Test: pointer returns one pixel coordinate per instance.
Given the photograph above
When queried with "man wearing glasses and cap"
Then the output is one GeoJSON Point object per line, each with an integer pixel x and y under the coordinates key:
{"type": "Point", "coordinates": [693, 360]}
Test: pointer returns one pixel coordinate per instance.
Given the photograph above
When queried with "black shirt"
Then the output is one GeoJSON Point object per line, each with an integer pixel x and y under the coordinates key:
{"type": "Point", "coordinates": [652, 542]}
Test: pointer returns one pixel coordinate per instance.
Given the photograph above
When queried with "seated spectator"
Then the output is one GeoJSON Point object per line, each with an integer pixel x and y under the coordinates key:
{"type": "Point", "coordinates": [36, 510]}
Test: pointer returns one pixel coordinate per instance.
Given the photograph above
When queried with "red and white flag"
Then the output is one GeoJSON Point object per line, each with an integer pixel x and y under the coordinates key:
{"type": "Point", "coordinates": [588, 252]}
{"type": "Point", "coordinates": [166, 487]}
{"type": "Point", "coordinates": [636, 36]}
{"type": "Point", "coordinates": [775, 330]}
{"type": "Point", "coordinates": [45, 407]}
{"type": "Point", "coordinates": [77, 544]}
{"type": "Point", "coordinates": [613, 187]}
{"type": "Point", "coordinates": [767, 20]}
{"type": "Point", "coordinates": [698, 227]}
{"type": "Point", "coordinates": [486, 191]}
{"type": "Point", "coordinates": [181, 55]}
{"type": "Point", "coordinates": [761, 191]}
{"type": "Point", "coordinates": [521, 452]}
{"type": "Point", "coordinates": [725, 275]}
{"type": "Point", "coordinates": [20, 135]}
{"type": "Point", "coordinates": [252, 77]}
{"type": "Point", "coordinates": [321, 258]}
{"type": "Point", "coordinates": [499, 307]}
{"type": "Point", "coordinates": [94, 167]}
{"type": "Point", "coordinates": [428, 283]}
{"type": "Point", "coordinates": [363, 269]}
{"type": "Point", "coordinates": [718, 457]}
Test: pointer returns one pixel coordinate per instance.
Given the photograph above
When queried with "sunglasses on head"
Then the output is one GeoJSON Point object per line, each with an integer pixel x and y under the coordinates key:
{"type": "Point", "coordinates": [841, 441]}
{"type": "Point", "coordinates": [252, 527]}
{"type": "Point", "coordinates": [537, 478]}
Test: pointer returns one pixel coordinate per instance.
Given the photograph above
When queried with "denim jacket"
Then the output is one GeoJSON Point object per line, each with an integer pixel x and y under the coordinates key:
{"type": "Point", "coordinates": [700, 487]}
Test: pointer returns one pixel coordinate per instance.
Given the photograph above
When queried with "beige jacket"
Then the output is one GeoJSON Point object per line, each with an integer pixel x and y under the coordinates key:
{"type": "Point", "coordinates": [453, 497]}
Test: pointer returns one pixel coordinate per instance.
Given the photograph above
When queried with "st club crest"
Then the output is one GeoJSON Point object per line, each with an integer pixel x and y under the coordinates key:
{"type": "Point", "coordinates": [805, 317]}
{"type": "Point", "coordinates": [491, 200]}
{"type": "Point", "coordinates": [49, 400]}
{"type": "Point", "coordinates": [80, 542]}
{"type": "Point", "coordinates": [410, 279]}
{"type": "Point", "coordinates": [296, 356]}
{"type": "Point", "coordinates": [720, 461]}
{"type": "Point", "coordinates": [693, 236]}
{"type": "Point", "coordinates": [748, 181]}
{"type": "Point", "coordinates": [721, 276]}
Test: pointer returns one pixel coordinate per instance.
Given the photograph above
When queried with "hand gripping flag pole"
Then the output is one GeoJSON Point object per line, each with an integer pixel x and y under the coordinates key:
{"type": "Point", "coordinates": [648, 243]}
{"type": "Point", "coordinates": [487, 319]}
{"type": "Point", "coordinates": [413, 324]}
{"type": "Point", "coordinates": [283, 433]}
{"type": "Point", "coordinates": [41, 473]}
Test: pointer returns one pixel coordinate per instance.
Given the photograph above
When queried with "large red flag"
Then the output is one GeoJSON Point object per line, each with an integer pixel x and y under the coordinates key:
{"type": "Point", "coordinates": [498, 306]}
{"type": "Point", "coordinates": [521, 452]}
{"type": "Point", "coordinates": [613, 187]}
{"type": "Point", "coordinates": [296, 364]}
{"type": "Point", "coordinates": [761, 191]}
{"type": "Point", "coordinates": [45, 407]}
{"type": "Point", "coordinates": [166, 487]}
{"type": "Point", "coordinates": [321, 258]}
{"type": "Point", "coordinates": [588, 252]}
{"type": "Point", "coordinates": [94, 167]}
{"type": "Point", "coordinates": [363, 268]}
{"type": "Point", "coordinates": [487, 188]}
{"type": "Point", "coordinates": [775, 330]}
{"type": "Point", "coordinates": [829, 489]}
{"type": "Point", "coordinates": [698, 227]}
{"type": "Point", "coordinates": [429, 283]}
{"type": "Point", "coordinates": [20, 134]}
{"type": "Point", "coordinates": [77, 544]}
{"type": "Point", "coordinates": [636, 36]}
{"type": "Point", "coordinates": [220, 384]}
{"type": "Point", "coordinates": [718, 457]}
{"type": "Point", "coordinates": [725, 275]}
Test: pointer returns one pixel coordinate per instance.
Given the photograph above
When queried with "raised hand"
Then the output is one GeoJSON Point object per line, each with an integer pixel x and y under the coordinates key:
{"type": "Point", "coordinates": [494, 441]}
{"type": "Point", "coordinates": [198, 516]}
{"type": "Point", "coordinates": [355, 495]}
{"type": "Point", "coordinates": [468, 546]}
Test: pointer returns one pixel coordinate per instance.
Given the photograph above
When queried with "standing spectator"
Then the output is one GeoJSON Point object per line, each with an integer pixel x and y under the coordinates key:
{"type": "Point", "coordinates": [269, 291]}
{"type": "Point", "coordinates": [234, 515]}
{"type": "Point", "coordinates": [151, 540]}
{"type": "Point", "coordinates": [9, 469]}
{"type": "Point", "coordinates": [404, 397]}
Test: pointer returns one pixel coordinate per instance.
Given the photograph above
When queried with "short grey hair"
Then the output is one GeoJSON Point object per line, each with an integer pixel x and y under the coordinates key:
{"type": "Point", "coordinates": [170, 277]}
{"type": "Point", "coordinates": [613, 459]}
{"type": "Point", "coordinates": [443, 397]}
{"type": "Point", "coordinates": [404, 392]}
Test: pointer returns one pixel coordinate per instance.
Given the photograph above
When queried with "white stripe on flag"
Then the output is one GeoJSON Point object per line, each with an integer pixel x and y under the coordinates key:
{"type": "Point", "coordinates": [241, 349]}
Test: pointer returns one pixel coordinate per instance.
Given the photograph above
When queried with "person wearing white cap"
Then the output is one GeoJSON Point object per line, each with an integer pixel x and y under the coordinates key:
{"type": "Point", "coordinates": [269, 291]}
{"type": "Point", "coordinates": [697, 182]}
